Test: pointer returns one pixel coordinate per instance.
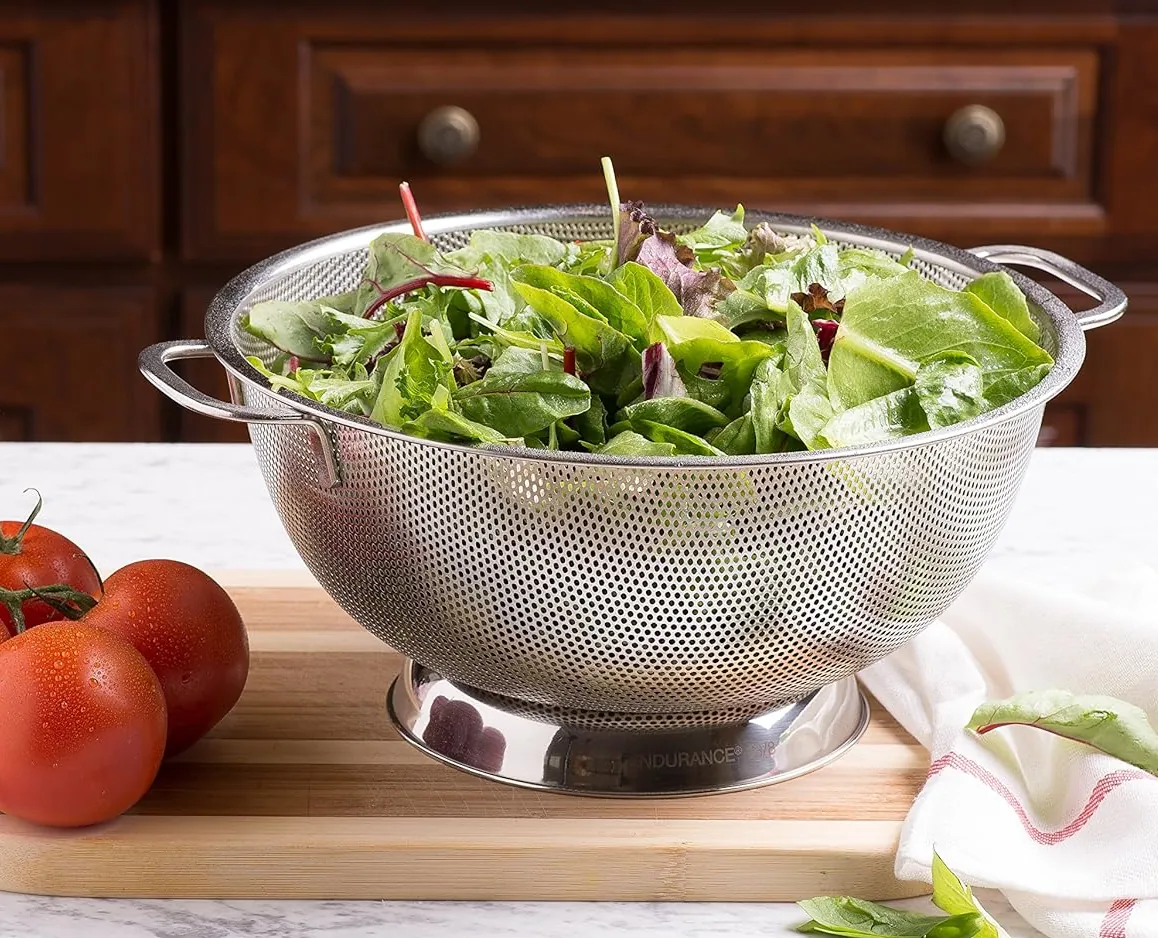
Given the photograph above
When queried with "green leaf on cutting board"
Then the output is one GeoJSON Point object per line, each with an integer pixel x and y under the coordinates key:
{"type": "Point", "coordinates": [1113, 726]}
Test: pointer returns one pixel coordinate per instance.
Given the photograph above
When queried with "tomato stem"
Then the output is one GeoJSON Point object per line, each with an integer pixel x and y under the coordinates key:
{"type": "Point", "coordinates": [12, 545]}
{"type": "Point", "coordinates": [69, 602]}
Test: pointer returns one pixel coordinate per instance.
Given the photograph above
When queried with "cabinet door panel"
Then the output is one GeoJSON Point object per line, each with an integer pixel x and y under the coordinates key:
{"type": "Point", "coordinates": [79, 139]}
{"type": "Point", "coordinates": [70, 369]}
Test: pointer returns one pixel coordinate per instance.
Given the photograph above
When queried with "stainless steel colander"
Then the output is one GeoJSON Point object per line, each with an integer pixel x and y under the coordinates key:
{"type": "Point", "coordinates": [681, 591]}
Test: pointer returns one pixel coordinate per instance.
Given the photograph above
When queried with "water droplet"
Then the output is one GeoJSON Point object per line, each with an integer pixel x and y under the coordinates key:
{"type": "Point", "coordinates": [94, 682]}
{"type": "Point", "coordinates": [44, 725]}
{"type": "Point", "coordinates": [64, 705]}
{"type": "Point", "coordinates": [58, 664]}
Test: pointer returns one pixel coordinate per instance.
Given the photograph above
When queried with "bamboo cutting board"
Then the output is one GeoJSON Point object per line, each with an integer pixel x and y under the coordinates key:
{"type": "Point", "coordinates": [306, 791]}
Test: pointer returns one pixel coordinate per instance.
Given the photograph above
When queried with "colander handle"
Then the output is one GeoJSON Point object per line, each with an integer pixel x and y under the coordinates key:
{"type": "Point", "coordinates": [1111, 300]}
{"type": "Point", "coordinates": [154, 365]}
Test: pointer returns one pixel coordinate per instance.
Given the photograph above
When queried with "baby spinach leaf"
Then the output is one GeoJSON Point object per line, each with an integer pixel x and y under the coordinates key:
{"type": "Point", "coordinates": [646, 291]}
{"type": "Point", "coordinates": [859, 918]}
{"type": "Point", "coordinates": [1114, 726]}
{"type": "Point", "coordinates": [591, 425]}
{"type": "Point", "coordinates": [998, 291]}
{"type": "Point", "coordinates": [738, 438]}
{"type": "Point", "coordinates": [630, 443]}
{"type": "Point", "coordinates": [686, 443]}
{"type": "Point", "coordinates": [414, 369]}
{"type": "Point", "coordinates": [953, 896]}
{"type": "Point", "coordinates": [887, 417]}
{"type": "Point", "coordinates": [522, 361]}
{"type": "Point", "coordinates": [890, 327]}
{"type": "Point", "coordinates": [950, 390]}
{"type": "Point", "coordinates": [297, 328]}
{"type": "Point", "coordinates": [683, 413]}
{"type": "Point", "coordinates": [440, 422]}
{"type": "Point", "coordinates": [713, 391]}
{"type": "Point", "coordinates": [519, 404]}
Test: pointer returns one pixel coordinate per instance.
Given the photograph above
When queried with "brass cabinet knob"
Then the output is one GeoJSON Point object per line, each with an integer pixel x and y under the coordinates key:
{"type": "Point", "coordinates": [448, 135]}
{"type": "Point", "coordinates": [974, 134]}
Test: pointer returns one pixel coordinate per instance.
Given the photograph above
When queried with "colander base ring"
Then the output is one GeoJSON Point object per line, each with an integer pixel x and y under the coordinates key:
{"type": "Point", "coordinates": [477, 734]}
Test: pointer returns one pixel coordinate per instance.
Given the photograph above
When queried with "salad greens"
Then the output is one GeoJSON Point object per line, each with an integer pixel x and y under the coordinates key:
{"type": "Point", "coordinates": [1114, 726]}
{"type": "Point", "coordinates": [856, 918]}
{"type": "Point", "coordinates": [725, 340]}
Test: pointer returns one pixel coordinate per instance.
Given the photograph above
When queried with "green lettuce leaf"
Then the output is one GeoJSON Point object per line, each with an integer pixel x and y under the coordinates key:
{"type": "Point", "coordinates": [518, 404]}
{"type": "Point", "coordinates": [1113, 726]}
{"type": "Point", "coordinates": [685, 443]}
{"type": "Point", "coordinates": [694, 341]}
{"type": "Point", "coordinates": [770, 388]}
{"type": "Point", "coordinates": [683, 413]}
{"type": "Point", "coordinates": [591, 425]}
{"type": "Point", "coordinates": [397, 258]}
{"type": "Point", "coordinates": [440, 422]}
{"type": "Point", "coordinates": [606, 357]}
{"type": "Point", "coordinates": [718, 238]}
{"type": "Point", "coordinates": [1001, 294]}
{"type": "Point", "coordinates": [591, 296]}
{"type": "Point", "coordinates": [414, 369]}
{"type": "Point", "coordinates": [300, 328]}
{"type": "Point", "coordinates": [890, 327]}
{"type": "Point", "coordinates": [646, 291]}
{"type": "Point", "coordinates": [950, 390]}
{"type": "Point", "coordinates": [883, 418]}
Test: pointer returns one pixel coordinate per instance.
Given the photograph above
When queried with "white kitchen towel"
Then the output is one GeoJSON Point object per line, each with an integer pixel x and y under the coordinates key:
{"type": "Point", "coordinates": [1068, 834]}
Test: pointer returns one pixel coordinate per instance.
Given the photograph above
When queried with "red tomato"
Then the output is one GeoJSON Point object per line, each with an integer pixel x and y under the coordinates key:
{"type": "Point", "coordinates": [40, 557]}
{"type": "Point", "coordinates": [83, 729]}
{"type": "Point", "coordinates": [190, 631]}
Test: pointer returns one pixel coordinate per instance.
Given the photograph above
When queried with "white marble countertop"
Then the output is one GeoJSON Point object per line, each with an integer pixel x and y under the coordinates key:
{"type": "Point", "coordinates": [207, 505]}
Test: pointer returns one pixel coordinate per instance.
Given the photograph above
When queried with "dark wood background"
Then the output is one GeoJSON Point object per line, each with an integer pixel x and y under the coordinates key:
{"type": "Point", "coordinates": [149, 151]}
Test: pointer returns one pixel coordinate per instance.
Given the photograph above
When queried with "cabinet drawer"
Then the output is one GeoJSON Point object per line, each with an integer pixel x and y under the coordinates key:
{"type": "Point", "coordinates": [71, 373]}
{"type": "Point", "coordinates": [78, 132]}
{"type": "Point", "coordinates": [301, 125]}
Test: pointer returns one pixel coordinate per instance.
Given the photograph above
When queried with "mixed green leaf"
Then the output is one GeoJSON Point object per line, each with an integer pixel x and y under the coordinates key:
{"type": "Point", "coordinates": [847, 917]}
{"type": "Point", "coordinates": [1114, 726]}
{"type": "Point", "coordinates": [725, 340]}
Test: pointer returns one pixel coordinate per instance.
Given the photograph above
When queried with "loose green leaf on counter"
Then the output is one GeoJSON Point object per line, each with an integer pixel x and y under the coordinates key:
{"type": "Point", "coordinates": [1113, 726]}
{"type": "Point", "coordinates": [954, 897]}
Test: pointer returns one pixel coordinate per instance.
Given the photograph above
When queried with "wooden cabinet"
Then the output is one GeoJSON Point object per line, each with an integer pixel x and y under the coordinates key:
{"type": "Point", "coordinates": [79, 132]}
{"type": "Point", "coordinates": [75, 377]}
{"type": "Point", "coordinates": [152, 149]}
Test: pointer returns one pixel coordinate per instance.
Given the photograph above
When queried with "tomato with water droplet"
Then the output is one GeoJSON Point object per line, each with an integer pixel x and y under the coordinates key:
{"type": "Point", "coordinates": [80, 744]}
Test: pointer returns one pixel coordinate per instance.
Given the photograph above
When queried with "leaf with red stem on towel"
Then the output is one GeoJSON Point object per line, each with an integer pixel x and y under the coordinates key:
{"type": "Point", "coordinates": [1112, 726]}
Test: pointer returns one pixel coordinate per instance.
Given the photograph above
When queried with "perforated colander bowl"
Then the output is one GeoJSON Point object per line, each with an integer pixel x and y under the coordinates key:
{"type": "Point", "coordinates": [690, 589]}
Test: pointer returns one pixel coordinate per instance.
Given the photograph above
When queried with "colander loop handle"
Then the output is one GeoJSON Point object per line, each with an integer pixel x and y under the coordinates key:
{"type": "Point", "coordinates": [1111, 300]}
{"type": "Point", "coordinates": [154, 364]}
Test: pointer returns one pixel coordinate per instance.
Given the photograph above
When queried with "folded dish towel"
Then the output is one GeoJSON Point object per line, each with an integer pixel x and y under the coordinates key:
{"type": "Point", "coordinates": [1069, 835]}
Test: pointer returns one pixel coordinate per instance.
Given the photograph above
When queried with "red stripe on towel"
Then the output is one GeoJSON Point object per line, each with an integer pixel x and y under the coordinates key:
{"type": "Point", "coordinates": [1105, 785]}
{"type": "Point", "coordinates": [1114, 924]}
